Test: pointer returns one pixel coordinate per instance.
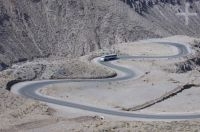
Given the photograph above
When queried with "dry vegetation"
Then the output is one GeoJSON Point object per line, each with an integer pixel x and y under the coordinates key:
{"type": "Point", "coordinates": [18, 113]}
{"type": "Point", "coordinates": [143, 127]}
{"type": "Point", "coordinates": [45, 28]}
{"type": "Point", "coordinates": [14, 108]}
{"type": "Point", "coordinates": [189, 63]}
{"type": "Point", "coordinates": [92, 124]}
{"type": "Point", "coordinates": [42, 28]}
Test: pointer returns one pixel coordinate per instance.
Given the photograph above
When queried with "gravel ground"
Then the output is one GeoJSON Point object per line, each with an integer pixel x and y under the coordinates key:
{"type": "Point", "coordinates": [19, 114]}
{"type": "Point", "coordinates": [15, 110]}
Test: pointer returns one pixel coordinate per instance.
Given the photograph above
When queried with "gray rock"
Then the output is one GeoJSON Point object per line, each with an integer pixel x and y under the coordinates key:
{"type": "Point", "coordinates": [39, 28]}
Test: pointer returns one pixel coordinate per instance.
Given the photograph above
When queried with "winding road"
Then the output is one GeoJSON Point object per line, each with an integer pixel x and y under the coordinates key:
{"type": "Point", "coordinates": [29, 89]}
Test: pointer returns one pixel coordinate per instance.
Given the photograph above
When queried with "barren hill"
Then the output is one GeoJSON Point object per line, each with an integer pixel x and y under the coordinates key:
{"type": "Point", "coordinates": [39, 28]}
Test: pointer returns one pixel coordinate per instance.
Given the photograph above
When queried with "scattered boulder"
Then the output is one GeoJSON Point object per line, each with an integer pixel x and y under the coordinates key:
{"type": "Point", "coordinates": [3, 66]}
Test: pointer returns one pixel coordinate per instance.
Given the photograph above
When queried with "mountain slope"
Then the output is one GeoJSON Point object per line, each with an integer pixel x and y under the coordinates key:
{"type": "Point", "coordinates": [39, 28]}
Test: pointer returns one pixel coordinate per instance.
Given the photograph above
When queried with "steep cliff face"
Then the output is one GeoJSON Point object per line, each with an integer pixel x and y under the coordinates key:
{"type": "Point", "coordinates": [38, 28]}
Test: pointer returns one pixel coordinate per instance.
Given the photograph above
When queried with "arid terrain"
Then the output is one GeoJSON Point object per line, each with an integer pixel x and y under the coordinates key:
{"type": "Point", "coordinates": [19, 114]}
{"type": "Point", "coordinates": [42, 28]}
{"type": "Point", "coordinates": [47, 39]}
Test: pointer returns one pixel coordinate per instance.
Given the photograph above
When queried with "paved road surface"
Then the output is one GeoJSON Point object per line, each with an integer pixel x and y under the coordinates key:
{"type": "Point", "coordinates": [28, 89]}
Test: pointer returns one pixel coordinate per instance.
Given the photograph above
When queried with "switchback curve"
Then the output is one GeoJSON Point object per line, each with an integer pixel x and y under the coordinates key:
{"type": "Point", "coordinates": [28, 89]}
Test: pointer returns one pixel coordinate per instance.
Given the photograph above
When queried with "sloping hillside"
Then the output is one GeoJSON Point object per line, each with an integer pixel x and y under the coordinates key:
{"type": "Point", "coordinates": [39, 28]}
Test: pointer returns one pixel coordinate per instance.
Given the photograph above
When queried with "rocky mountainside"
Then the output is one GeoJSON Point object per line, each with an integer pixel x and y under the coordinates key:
{"type": "Point", "coordinates": [39, 28]}
{"type": "Point", "coordinates": [141, 6]}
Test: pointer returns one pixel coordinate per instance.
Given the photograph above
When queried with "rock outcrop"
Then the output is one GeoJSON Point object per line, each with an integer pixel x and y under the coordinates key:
{"type": "Point", "coordinates": [40, 28]}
